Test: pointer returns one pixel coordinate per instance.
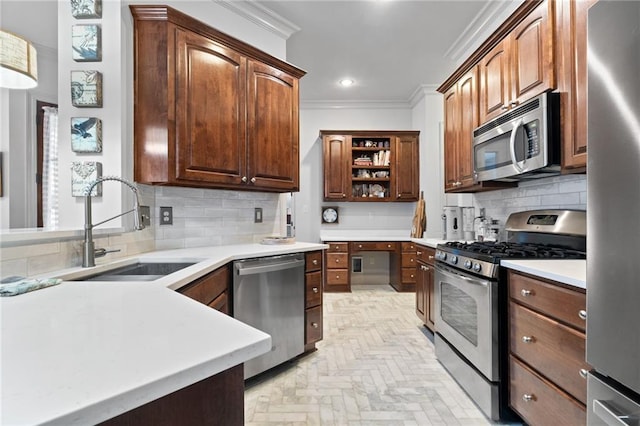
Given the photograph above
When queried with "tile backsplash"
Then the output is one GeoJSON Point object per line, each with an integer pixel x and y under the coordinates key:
{"type": "Point", "coordinates": [564, 192]}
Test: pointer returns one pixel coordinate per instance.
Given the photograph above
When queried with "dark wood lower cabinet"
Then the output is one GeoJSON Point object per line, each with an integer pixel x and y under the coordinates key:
{"type": "Point", "coordinates": [425, 278]}
{"type": "Point", "coordinates": [218, 400]}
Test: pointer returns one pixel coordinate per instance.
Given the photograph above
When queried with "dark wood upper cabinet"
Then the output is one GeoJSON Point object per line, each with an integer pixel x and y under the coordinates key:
{"type": "Point", "coordinates": [370, 165]}
{"type": "Point", "coordinates": [210, 110]}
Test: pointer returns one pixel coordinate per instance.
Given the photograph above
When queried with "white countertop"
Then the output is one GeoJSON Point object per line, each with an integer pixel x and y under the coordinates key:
{"type": "Point", "coordinates": [567, 271]}
{"type": "Point", "coordinates": [83, 352]}
{"type": "Point", "coordinates": [376, 235]}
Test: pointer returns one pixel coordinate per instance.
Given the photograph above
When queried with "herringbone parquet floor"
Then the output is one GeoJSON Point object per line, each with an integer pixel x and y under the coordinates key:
{"type": "Point", "coordinates": [375, 366]}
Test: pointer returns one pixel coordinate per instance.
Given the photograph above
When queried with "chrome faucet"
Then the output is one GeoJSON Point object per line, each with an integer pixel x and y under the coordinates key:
{"type": "Point", "coordinates": [88, 250]}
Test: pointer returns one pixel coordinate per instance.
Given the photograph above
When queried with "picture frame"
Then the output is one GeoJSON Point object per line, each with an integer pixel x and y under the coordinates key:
{"type": "Point", "coordinates": [86, 134]}
{"type": "Point", "coordinates": [86, 9]}
{"type": "Point", "coordinates": [86, 89]}
{"type": "Point", "coordinates": [86, 43]}
{"type": "Point", "coordinates": [84, 173]}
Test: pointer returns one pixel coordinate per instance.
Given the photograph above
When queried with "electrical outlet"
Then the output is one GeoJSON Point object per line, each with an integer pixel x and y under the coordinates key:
{"type": "Point", "coordinates": [166, 215]}
{"type": "Point", "coordinates": [257, 215]}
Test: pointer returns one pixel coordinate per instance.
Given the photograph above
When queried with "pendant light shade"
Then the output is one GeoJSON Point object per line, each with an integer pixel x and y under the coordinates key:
{"type": "Point", "coordinates": [18, 63]}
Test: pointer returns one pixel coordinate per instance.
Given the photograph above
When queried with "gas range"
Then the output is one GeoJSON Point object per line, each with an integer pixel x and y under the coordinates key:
{"type": "Point", "coordinates": [483, 257]}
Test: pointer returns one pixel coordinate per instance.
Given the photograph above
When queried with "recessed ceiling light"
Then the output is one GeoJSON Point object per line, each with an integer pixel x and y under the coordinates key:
{"type": "Point", "coordinates": [346, 82]}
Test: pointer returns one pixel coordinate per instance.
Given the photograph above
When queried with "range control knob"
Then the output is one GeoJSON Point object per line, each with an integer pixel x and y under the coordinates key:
{"type": "Point", "coordinates": [467, 264]}
{"type": "Point", "coordinates": [454, 259]}
{"type": "Point", "coordinates": [441, 255]}
{"type": "Point", "coordinates": [477, 267]}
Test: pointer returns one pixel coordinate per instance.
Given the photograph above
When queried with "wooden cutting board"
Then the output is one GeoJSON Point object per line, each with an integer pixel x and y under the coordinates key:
{"type": "Point", "coordinates": [419, 218]}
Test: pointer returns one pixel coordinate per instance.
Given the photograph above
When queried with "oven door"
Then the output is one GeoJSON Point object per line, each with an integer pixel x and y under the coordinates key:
{"type": "Point", "coordinates": [467, 317]}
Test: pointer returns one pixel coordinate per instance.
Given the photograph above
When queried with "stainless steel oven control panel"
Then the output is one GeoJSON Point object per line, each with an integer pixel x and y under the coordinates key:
{"type": "Point", "coordinates": [475, 266]}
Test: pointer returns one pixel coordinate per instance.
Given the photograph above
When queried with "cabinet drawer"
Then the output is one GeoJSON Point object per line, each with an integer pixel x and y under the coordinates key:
{"type": "Point", "coordinates": [313, 261]}
{"type": "Point", "coordinates": [337, 260]}
{"type": "Point", "coordinates": [409, 275]}
{"type": "Point", "coordinates": [337, 276]}
{"type": "Point", "coordinates": [373, 246]}
{"type": "Point", "coordinates": [426, 254]}
{"type": "Point", "coordinates": [338, 247]}
{"type": "Point", "coordinates": [554, 350]}
{"type": "Point", "coordinates": [409, 247]}
{"type": "Point", "coordinates": [313, 289]}
{"type": "Point", "coordinates": [409, 260]}
{"type": "Point", "coordinates": [209, 287]}
{"type": "Point", "coordinates": [221, 303]}
{"type": "Point", "coordinates": [539, 402]}
{"type": "Point", "coordinates": [313, 328]}
{"type": "Point", "coordinates": [558, 302]}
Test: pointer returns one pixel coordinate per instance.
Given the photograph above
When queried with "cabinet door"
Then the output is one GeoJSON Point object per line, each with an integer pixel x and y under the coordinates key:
{"type": "Point", "coordinates": [572, 82]}
{"type": "Point", "coordinates": [336, 166]}
{"type": "Point", "coordinates": [451, 139]}
{"type": "Point", "coordinates": [494, 82]}
{"type": "Point", "coordinates": [210, 114]}
{"type": "Point", "coordinates": [407, 173]}
{"type": "Point", "coordinates": [421, 295]}
{"type": "Point", "coordinates": [532, 65]}
{"type": "Point", "coordinates": [273, 128]}
{"type": "Point", "coordinates": [468, 121]}
{"type": "Point", "coordinates": [430, 305]}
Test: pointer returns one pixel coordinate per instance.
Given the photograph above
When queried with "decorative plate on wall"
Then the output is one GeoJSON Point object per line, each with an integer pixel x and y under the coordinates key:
{"type": "Point", "coordinates": [329, 215]}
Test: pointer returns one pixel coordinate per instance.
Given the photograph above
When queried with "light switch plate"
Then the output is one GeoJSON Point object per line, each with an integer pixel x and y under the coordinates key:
{"type": "Point", "coordinates": [145, 216]}
{"type": "Point", "coordinates": [257, 215]}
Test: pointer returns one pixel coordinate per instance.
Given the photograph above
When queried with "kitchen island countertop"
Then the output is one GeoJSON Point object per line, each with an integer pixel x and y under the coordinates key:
{"type": "Point", "coordinates": [84, 352]}
{"type": "Point", "coordinates": [567, 271]}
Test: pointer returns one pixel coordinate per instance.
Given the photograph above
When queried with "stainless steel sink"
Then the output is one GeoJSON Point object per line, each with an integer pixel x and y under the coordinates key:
{"type": "Point", "coordinates": [141, 271]}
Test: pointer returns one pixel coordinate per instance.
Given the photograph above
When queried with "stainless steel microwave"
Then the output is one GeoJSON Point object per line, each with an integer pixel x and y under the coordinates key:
{"type": "Point", "coordinates": [523, 143]}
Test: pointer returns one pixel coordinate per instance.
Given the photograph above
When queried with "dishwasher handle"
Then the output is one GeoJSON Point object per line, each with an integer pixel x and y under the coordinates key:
{"type": "Point", "coordinates": [270, 267]}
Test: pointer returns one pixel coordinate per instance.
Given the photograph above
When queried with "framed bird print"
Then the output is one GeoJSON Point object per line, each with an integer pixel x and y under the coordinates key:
{"type": "Point", "coordinates": [86, 134]}
{"type": "Point", "coordinates": [86, 43]}
{"type": "Point", "coordinates": [86, 89]}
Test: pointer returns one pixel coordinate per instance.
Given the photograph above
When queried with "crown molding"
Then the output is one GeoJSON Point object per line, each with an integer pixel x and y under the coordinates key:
{"type": "Point", "coordinates": [422, 91]}
{"type": "Point", "coordinates": [481, 26]}
{"type": "Point", "coordinates": [262, 16]}
{"type": "Point", "coordinates": [340, 104]}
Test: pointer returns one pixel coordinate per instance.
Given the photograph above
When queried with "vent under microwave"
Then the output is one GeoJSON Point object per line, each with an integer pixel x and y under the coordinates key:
{"type": "Point", "coordinates": [508, 116]}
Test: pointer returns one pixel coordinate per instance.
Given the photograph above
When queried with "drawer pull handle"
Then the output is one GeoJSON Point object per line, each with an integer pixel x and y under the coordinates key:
{"type": "Point", "coordinates": [582, 314]}
{"type": "Point", "coordinates": [526, 293]}
{"type": "Point", "coordinates": [418, 253]}
{"type": "Point", "coordinates": [315, 289]}
{"type": "Point", "coordinates": [583, 373]}
{"type": "Point", "coordinates": [314, 261]}
{"type": "Point", "coordinates": [430, 257]}
{"type": "Point", "coordinates": [314, 324]}
{"type": "Point", "coordinates": [426, 268]}
{"type": "Point", "coordinates": [528, 339]}
{"type": "Point", "coordinates": [527, 397]}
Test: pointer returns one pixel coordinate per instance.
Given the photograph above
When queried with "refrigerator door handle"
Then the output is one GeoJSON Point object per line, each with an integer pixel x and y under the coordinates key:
{"type": "Point", "coordinates": [608, 414]}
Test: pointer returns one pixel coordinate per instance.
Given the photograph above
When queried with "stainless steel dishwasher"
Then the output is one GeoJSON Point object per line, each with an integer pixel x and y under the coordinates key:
{"type": "Point", "coordinates": [268, 294]}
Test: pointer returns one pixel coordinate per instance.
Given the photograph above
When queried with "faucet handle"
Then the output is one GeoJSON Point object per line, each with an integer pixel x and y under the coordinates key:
{"type": "Point", "coordinates": [103, 252]}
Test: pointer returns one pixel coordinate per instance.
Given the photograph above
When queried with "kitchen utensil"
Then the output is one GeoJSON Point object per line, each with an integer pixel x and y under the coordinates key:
{"type": "Point", "coordinates": [419, 219]}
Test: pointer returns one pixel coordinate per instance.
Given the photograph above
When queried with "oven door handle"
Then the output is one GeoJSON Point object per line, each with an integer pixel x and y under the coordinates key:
{"type": "Point", "coordinates": [460, 276]}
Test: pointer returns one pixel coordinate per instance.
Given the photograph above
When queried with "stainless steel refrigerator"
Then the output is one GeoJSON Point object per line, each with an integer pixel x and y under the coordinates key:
{"type": "Point", "coordinates": [613, 219]}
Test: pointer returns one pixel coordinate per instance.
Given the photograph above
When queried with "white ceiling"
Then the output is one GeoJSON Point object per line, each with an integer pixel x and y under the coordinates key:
{"type": "Point", "coordinates": [390, 48]}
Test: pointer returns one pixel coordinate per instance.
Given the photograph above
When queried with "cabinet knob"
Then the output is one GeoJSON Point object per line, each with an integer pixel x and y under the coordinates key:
{"type": "Point", "coordinates": [582, 314]}
{"type": "Point", "coordinates": [388, 245]}
{"type": "Point", "coordinates": [583, 373]}
{"type": "Point", "coordinates": [359, 245]}
{"type": "Point", "coordinates": [344, 195]}
{"type": "Point", "coordinates": [504, 107]}
{"type": "Point", "coordinates": [411, 276]}
{"type": "Point", "coordinates": [315, 290]}
{"type": "Point", "coordinates": [513, 103]}
{"type": "Point", "coordinates": [314, 324]}
{"type": "Point", "coordinates": [399, 195]}
{"type": "Point", "coordinates": [244, 179]}
{"type": "Point", "coordinates": [253, 180]}
{"type": "Point", "coordinates": [527, 339]}
{"type": "Point", "coordinates": [418, 253]}
{"type": "Point", "coordinates": [527, 397]}
{"type": "Point", "coordinates": [337, 260]}
{"type": "Point", "coordinates": [526, 293]}
{"type": "Point", "coordinates": [411, 260]}
{"type": "Point", "coordinates": [314, 261]}
{"type": "Point", "coordinates": [337, 277]}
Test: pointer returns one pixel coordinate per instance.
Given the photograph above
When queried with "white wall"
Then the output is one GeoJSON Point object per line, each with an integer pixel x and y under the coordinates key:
{"type": "Point", "coordinates": [308, 201]}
